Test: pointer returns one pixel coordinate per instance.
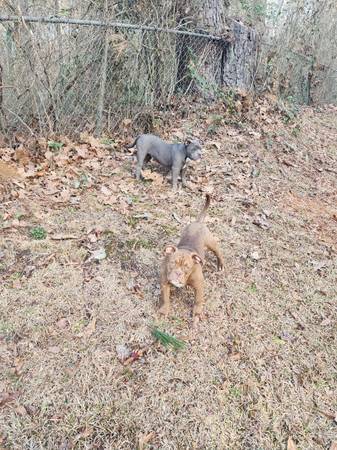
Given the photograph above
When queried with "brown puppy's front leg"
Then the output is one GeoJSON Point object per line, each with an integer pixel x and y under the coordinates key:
{"type": "Point", "coordinates": [165, 298]}
{"type": "Point", "coordinates": [196, 281]}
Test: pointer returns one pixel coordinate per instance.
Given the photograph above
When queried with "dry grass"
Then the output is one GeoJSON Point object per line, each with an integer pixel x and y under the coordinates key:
{"type": "Point", "coordinates": [262, 366]}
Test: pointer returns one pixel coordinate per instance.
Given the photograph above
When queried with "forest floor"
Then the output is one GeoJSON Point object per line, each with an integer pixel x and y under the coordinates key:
{"type": "Point", "coordinates": [80, 368]}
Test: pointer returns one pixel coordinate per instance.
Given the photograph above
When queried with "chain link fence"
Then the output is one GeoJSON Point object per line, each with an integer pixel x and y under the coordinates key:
{"type": "Point", "coordinates": [62, 75]}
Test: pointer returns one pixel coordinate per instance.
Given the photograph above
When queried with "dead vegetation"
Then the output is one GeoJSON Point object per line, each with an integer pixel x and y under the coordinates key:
{"type": "Point", "coordinates": [80, 367]}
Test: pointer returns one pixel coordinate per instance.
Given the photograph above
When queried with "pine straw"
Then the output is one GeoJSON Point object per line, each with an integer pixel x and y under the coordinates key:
{"type": "Point", "coordinates": [262, 366]}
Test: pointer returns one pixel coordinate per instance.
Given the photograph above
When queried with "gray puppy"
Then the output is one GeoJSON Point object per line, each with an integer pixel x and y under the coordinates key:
{"type": "Point", "coordinates": [169, 155]}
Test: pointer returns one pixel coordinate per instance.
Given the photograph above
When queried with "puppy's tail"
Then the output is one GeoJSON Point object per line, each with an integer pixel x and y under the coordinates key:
{"type": "Point", "coordinates": [204, 209]}
{"type": "Point", "coordinates": [133, 144]}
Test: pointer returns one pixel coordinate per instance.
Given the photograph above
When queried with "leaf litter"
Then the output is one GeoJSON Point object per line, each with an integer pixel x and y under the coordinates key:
{"type": "Point", "coordinates": [260, 207]}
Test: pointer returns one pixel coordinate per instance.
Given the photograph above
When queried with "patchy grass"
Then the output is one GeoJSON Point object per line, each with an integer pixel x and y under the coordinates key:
{"type": "Point", "coordinates": [262, 365]}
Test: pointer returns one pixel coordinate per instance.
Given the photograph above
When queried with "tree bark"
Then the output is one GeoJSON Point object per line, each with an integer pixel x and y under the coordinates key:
{"type": "Point", "coordinates": [227, 63]}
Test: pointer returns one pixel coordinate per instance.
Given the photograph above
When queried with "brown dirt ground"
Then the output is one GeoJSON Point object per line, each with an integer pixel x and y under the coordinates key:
{"type": "Point", "coordinates": [261, 367]}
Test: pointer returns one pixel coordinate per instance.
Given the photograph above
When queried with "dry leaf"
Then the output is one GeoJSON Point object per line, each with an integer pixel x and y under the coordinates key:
{"type": "Point", "coordinates": [91, 328]}
{"type": "Point", "coordinates": [48, 155]}
{"type": "Point", "coordinates": [82, 152]}
{"type": "Point", "coordinates": [6, 397]}
{"type": "Point", "coordinates": [18, 365]}
{"type": "Point", "coordinates": [98, 254]}
{"type": "Point", "coordinates": [145, 439]}
{"type": "Point", "coordinates": [329, 415]}
{"type": "Point", "coordinates": [179, 134]}
{"type": "Point", "coordinates": [62, 323]}
{"type": "Point", "coordinates": [105, 191]}
{"type": "Point", "coordinates": [215, 144]}
{"type": "Point", "coordinates": [153, 176]}
{"type": "Point", "coordinates": [123, 352]}
{"type": "Point", "coordinates": [21, 410]}
{"type": "Point", "coordinates": [54, 349]}
{"type": "Point", "coordinates": [291, 444]}
{"type": "Point", "coordinates": [261, 222]}
{"type": "Point", "coordinates": [22, 155]}
{"type": "Point", "coordinates": [64, 195]}
{"type": "Point", "coordinates": [7, 172]}
{"type": "Point", "coordinates": [87, 432]}
{"type": "Point", "coordinates": [333, 446]}
{"type": "Point", "coordinates": [135, 355]}
{"type": "Point", "coordinates": [110, 201]}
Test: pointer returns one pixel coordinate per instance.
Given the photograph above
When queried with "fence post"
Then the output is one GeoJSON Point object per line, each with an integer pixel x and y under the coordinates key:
{"type": "Point", "coordinates": [104, 67]}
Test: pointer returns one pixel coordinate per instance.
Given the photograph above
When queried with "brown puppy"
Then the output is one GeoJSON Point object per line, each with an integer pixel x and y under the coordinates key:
{"type": "Point", "coordinates": [183, 264]}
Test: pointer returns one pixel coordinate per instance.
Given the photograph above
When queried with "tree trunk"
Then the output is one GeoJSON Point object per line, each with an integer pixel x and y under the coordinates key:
{"type": "Point", "coordinates": [210, 65]}
{"type": "Point", "coordinates": [239, 58]}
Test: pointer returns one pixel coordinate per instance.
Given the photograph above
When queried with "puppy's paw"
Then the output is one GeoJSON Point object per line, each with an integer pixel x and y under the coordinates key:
{"type": "Point", "coordinates": [221, 265]}
{"type": "Point", "coordinates": [163, 311]}
{"type": "Point", "coordinates": [195, 322]}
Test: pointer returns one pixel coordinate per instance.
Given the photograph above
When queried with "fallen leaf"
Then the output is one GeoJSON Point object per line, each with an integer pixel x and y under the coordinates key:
{"type": "Point", "coordinates": [134, 356]}
{"type": "Point", "coordinates": [145, 439]}
{"type": "Point", "coordinates": [82, 152]}
{"type": "Point", "coordinates": [87, 432]}
{"type": "Point", "coordinates": [54, 349]}
{"type": "Point", "coordinates": [326, 322]}
{"type": "Point", "coordinates": [62, 323]}
{"type": "Point", "coordinates": [65, 195]}
{"type": "Point", "coordinates": [106, 191]}
{"type": "Point", "coordinates": [291, 444]}
{"type": "Point", "coordinates": [48, 155]}
{"type": "Point", "coordinates": [90, 328]}
{"type": "Point", "coordinates": [156, 178]}
{"type": "Point", "coordinates": [217, 145]}
{"type": "Point", "coordinates": [255, 256]}
{"type": "Point", "coordinates": [236, 356]}
{"type": "Point", "coordinates": [18, 365]}
{"type": "Point", "coordinates": [127, 122]}
{"type": "Point", "coordinates": [123, 352]}
{"type": "Point", "coordinates": [255, 134]}
{"type": "Point", "coordinates": [329, 415]}
{"type": "Point", "coordinates": [179, 134]}
{"type": "Point", "coordinates": [261, 222]}
{"type": "Point", "coordinates": [319, 265]}
{"type": "Point", "coordinates": [22, 155]}
{"type": "Point", "coordinates": [21, 410]}
{"type": "Point", "coordinates": [98, 254]}
{"type": "Point", "coordinates": [7, 172]}
{"type": "Point", "coordinates": [333, 446]}
{"type": "Point", "coordinates": [110, 201]}
{"type": "Point", "coordinates": [7, 397]}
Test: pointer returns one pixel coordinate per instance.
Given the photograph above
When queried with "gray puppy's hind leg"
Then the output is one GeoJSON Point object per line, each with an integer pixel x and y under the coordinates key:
{"type": "Point", "coordinates": [183, 176]}
{"type": "Point", "coordinates": [175, 175]}
{"type": "Point", "coordinates": [141, 157]}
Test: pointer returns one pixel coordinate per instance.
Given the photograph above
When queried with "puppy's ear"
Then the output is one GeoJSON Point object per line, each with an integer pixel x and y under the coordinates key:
{"type": "Point", "coordinates": [193, 141]}
{"type": "Point", "coordinates": [169, 249]}
{"type": "Point", "coordinates": [196, 258]}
